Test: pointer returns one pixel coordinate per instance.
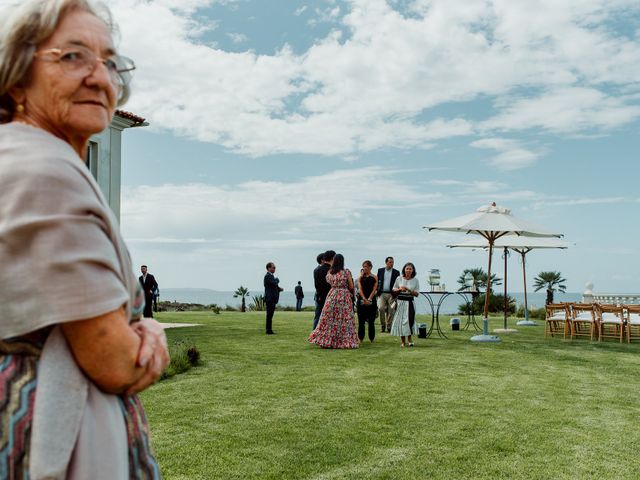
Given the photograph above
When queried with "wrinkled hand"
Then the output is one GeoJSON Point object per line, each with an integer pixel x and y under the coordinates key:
{"type": "Point", "coordinates": [153, 354]}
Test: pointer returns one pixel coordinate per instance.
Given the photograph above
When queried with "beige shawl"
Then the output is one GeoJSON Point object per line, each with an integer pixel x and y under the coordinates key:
{"type": "Point", "coordinates": [62, 259]}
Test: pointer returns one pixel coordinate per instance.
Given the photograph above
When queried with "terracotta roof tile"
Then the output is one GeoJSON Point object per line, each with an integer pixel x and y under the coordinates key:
{"type": "Point", "coordinates": [130, 116]}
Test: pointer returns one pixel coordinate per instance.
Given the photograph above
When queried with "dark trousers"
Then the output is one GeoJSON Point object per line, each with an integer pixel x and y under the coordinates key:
{"type": "Point", "coordinates": [148, 303]}
{"type": "Point", "coordinates": [298, 304]}
{"type": "Point", "coordinates": [412, 315]}
{"type": "Point", "coordinates": [271, 308]}
{"type": "Point", "coordinates": [319, 307]}
{"type": "Point", "coordinates": [367, 315]}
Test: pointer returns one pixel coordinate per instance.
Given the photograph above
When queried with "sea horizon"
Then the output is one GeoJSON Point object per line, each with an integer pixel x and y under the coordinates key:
{"type": "Point", "coordinates": [222, 298]}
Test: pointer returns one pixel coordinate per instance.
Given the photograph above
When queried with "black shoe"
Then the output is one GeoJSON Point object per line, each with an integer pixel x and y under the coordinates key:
{"type": "Point", "coordinates": [271, 333]}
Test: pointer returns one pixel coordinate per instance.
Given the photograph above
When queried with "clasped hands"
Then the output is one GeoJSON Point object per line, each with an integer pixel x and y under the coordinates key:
{"type": "Point", "coordinates": [405, 289]}
{"type": "Point", "coordinates": [152, 355]}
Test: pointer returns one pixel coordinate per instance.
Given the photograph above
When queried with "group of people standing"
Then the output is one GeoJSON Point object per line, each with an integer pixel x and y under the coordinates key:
{"type": "Point", "coordinates": [389, 294]}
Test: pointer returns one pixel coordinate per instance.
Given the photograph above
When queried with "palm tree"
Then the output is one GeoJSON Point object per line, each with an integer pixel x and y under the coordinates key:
{"type": "Point", "coordinates": [551, 281]}
{"type": "Point", "coordinates": [242, 292]}
{"type": "Point", "coordinates": [479, 278]}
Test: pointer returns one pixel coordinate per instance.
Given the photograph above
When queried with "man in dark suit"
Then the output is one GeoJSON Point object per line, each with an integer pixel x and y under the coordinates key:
{"type": "Point", "coordinates": [149, 287]}
{"type": "Point", "coordinates": [321, 284]}
{"type": "Point", "coordinates": [299, 296]}
{"type": "Point", "coordinates": [386, 278]}
{"type": "Point", "coordinates": [271, 294]}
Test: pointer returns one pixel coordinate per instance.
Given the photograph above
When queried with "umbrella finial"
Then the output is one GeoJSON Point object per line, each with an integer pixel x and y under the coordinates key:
{"type": "Point", "coordinates": [493, 208]}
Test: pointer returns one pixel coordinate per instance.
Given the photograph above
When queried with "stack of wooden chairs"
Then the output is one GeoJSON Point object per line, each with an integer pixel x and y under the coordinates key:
{"type": "Point", "coordinates": [596, 321]}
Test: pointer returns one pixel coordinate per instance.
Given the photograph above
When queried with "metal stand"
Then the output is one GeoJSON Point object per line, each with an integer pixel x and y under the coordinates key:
{"type": "Point", "coordinates": [485, 337]}
{"type": "Point", "coordinates": [435, 311]}
{"type": "Point", "coordinates": [471, 318]}
{"type": "Point", "coordinates": [526, 322]}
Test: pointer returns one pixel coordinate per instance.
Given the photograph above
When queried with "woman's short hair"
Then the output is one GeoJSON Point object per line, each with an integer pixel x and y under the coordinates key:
{"type": "Point", "coordinates": [413, 274]}
{"type": "Point", "coordinates": [367, 263]}
{"type": "Point", "coordinates": [24, 25]}
{"type": "Point", "coordinates": [338, 263]}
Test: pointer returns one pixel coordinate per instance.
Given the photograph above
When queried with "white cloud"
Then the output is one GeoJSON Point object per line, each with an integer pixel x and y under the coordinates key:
{"type": "Point", "coordinates": [237, 37]}
{"type": "Point", "coordinates": [324, 15]}
{"type": "Point", "coordinates": [564, 110]}
{"type": "Point", "coordinates": [367, 91]}
{"type": "Point", "coordinates": [571, 202]}
{"type": "Point", "coordinates": [375, 88]}
{"type": "Point", "coordinates": [511, 156]}
{"type": "Point", "coordinates": [476, 186]}
{"type": "Point", "coordinates": [213, 212]}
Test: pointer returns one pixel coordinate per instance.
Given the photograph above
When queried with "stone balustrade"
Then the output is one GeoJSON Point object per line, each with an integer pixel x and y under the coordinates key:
{"type": "Point", "coordinates": [611, 298]}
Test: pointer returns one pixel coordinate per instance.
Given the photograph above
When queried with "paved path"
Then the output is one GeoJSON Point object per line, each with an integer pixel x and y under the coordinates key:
{"type": "Point", "coordinates": [179, 325]}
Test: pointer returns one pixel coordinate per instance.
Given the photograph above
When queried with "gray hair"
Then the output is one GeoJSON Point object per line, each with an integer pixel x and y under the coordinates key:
{"type": "Point", "coordinates": [24, 25]}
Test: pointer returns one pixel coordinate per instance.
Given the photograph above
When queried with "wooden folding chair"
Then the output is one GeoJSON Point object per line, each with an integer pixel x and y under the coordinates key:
{"type": "Point", "coordinates": [556, 319]}
{"type": "Point", "coordinates": [610, 320]}
{"type": "Point", "coordinates": [583, 320]}
{"type": "Point", "coordinates": [633, 322]}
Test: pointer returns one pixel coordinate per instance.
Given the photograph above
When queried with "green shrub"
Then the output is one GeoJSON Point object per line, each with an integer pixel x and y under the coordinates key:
{"type": "Point", "coordinates": [258, 304]}
{"type": "Point", "coordinates": [534, 313]}
{"type": "Point", "coordinates": [183, 357]}
{"type": "Point", "coordinates": [539, 313]}
{"type": "Point", "coordinates": [174, 306]}
{"type": "Point", "coordinates": [214, 308]}
{"type": "Point", "coordinates": [496, 304]}
{"type": "Point", "coordinates": [193, 354]}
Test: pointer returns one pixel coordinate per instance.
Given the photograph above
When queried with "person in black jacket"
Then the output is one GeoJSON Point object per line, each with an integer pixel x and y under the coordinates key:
{"type": "Point", "coordinates": [271, 294]}
{"type": "Point", "coordinates": [321, 284]}
{"type": "Point", "coordinates": [299, 296]}
{"type": "Point", "coordinates": [149, 286]}
{"type": "Point", "coordinates": [386, 278]}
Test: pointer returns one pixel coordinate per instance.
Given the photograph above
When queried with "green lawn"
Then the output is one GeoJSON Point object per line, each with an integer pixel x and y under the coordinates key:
{"type": "Point", "coordinates": [276, 407]}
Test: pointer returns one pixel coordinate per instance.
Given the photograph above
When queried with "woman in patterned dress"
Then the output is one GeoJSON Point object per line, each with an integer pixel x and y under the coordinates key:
{"type": "Point", "coordinates": [74, 350]}
{"type": "Point", "coordinates": [406, 288]}
{"type": "Point", "coordinates": [336, 328]}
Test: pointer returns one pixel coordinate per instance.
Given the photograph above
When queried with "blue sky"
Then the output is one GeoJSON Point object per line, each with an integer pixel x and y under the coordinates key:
{"type": "Point", "coordinates": [279, 129]}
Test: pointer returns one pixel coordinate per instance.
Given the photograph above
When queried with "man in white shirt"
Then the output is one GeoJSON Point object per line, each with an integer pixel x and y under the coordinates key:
{"type": "Point", "coordinates": [386, 278]}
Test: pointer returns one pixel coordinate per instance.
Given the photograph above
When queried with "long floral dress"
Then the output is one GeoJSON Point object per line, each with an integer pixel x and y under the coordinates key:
{"type": "Point", "coordinates": [336, 328]}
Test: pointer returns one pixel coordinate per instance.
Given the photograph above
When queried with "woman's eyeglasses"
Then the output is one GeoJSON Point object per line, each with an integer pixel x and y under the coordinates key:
{"type": "Point", "coordinates": [78, 61]}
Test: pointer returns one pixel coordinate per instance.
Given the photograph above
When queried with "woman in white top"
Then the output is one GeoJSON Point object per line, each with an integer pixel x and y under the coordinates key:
{"type": "Point", "coordinates": [406, 287]}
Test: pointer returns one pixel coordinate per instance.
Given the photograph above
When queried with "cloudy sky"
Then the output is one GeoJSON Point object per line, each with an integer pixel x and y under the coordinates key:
{"type": "Point", "coordinates": [281, 128]}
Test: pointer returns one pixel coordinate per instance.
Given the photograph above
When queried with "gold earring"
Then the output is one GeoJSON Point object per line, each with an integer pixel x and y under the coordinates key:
{"type": "Point", "coordinates": [20, 108]}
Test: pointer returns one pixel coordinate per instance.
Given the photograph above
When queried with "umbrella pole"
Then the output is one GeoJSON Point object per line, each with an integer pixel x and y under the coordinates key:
{"type": "Point", "coordinates": [485, 337]}
{"type": "Point", "coordinates": [505, 287]}
{"type": "Point", "coordinates": [526, 322]}
{"type": "Point", "coordinates": [506, 297]}
{"type": "Point", "coordinates": [487, 294]}
{"type": "Point", "coordinates": [524, 280]}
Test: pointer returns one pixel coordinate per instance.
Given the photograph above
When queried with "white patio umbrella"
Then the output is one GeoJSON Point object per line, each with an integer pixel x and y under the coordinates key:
{"type": "Point", "coordinates": [522, 245]}
{"type": "Point", "coordinates": [491, 222]}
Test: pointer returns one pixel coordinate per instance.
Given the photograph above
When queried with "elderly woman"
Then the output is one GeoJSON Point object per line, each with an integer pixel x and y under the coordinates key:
{"type": "Point", "coordinates": [73, 348]}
